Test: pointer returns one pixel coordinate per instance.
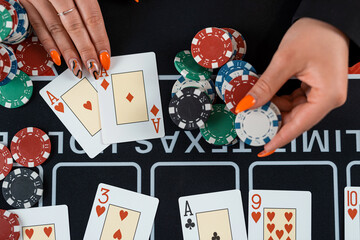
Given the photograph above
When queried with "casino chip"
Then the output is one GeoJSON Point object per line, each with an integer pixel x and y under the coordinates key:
{"type": "Point", "coordinates": [30, 147]}
{"type": "Point", "coordinates": [22, 188]}
{"type": "Point", "coordinates": [212, 47]}
{"type": "Point", "coordinates": [18, 92]}
{"type": "Point", "coordinates": [6, 23]}
{"type": "Point", "coordinates": [32, 57]}
{"type": "Point", "coordinates": [219, 128]}
{"type": "Point", "coordinates": [190, 108]}
{"type": "Point", "coordinates": [12, 66]}
{"type": "Point", "coordinates": [9, 225]}
{"type": "Point", "coordinates": [203, 85]}
{"type": "Point", "coordinates": [187, 67]}
{"type": "Point", "coordinates": [241, 43]}
{"type": "Point", "coordinates": [6, 162]}
{"type": "Point", "coordinates": [237, 90]}
{"type": "Point", "coordinates": [277, 112]}
{"type": "Point", "coordinates": [258, 126]}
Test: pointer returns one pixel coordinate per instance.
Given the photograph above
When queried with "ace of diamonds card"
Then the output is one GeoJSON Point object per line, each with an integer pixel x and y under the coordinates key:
{"type": "Point", "coordinates": [277, 215]}
{"type": "Point", "coordinates": [129, 99]}
{"type": "Point", "coordinates": [351, 215]}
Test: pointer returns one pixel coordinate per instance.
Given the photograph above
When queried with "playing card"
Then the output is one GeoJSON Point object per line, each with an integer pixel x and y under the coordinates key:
{"type": "Point", "coordinates": [75, 103]}
{"type": "Point", "coordinates": [213, 216]}
{"type": "Point", "coordinates": [50, 223]}
{"type": "Point", "coordinates": [129, 99]}
{"type": "Point", "coordinates": [352, 219]}
{"type": "Point", "coordinates": [277, 215]}
{"type": "Point", "coordinates": [120, 214]}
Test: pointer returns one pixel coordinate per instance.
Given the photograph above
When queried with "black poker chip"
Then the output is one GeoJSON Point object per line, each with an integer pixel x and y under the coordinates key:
{"type": "Point", "coordinates": [190, 108]}
{"type": "Point", "coordinates": [22, 188]}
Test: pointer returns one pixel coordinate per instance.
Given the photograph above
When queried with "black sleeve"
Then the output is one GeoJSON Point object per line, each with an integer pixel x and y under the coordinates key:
{"type": "Point", "coordinates": [343, 14]}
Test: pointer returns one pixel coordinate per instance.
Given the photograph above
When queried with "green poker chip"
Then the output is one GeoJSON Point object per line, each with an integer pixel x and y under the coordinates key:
{"type": "Point", "coordinates": [188, 67]}
{"type": "Point", "coordinates": [6, 23]}
{"type": "Point", "coordinates": [219, 129]}
{"type": "Point", "coordinates": [17, 92]}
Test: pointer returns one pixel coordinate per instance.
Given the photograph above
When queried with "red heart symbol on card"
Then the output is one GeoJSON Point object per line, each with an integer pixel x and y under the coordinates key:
{"type": "Point", "coordinates": [59, 107]}
{"type": "Point", "coordinates": [270, 238]}
{"type": "Point", "coordinates": [352, 213]}
{"type": "Point", "coordinates": [271, 215]}
{"type": "Point", "coordinates": [288, 216]}
{"type": "Point", "coordinates": [256, 216]}
{"type": "Point", "coordinates": [48, 231]}
{"type": "Point", "coordinates": [88, 105]}
{"type": "Point", "coordinates": [288, 227]}
{"type": "Point", "coordinates": [288, 238]}
{"type": "Point", "coordinates": [271, 227]}
{"type": "Point", "coordinates": [100, 210]}
{"type": "Point", "coordinates": [123, 214]}
{"type": "Point", "coordinates": [117, 235]}
{"type": "Point", "coordinates": [29, 233]}
{"type": "Point", "coordinates": [279, 234]}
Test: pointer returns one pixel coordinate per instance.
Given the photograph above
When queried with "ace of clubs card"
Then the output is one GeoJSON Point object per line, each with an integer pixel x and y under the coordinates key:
{"type": "Point", "coordinates": [275, 215]}
{"type": "Point", "coordinates": [352, 219]}
{"type": "Point", "coordinates": [50, 223]}
{"type": "Point", "coordinates": [213, 216]}
{"type": "Point", "coordinates": [75, 103]}
{"type": "Point", "coordinates": [120, 214]}
{"type": "Point", "coordinates": [129, 99]}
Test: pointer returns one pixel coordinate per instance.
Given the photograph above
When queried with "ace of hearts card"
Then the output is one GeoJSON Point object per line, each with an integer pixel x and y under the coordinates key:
{"type": "Point", "coordinates": [275, 215]}
{"type": "Point", "coordinates": [75, 103]}
{"type": "Point", "coordinates": [129, 99]}
{"type": "Point", "coordinates": [213, 216]}
{"type": "Point", "coordinates": [351, 214]}
{"type": "Point", "coordinates": [50, 223]}
{"type": "Point", "coordinates": [120, 214]}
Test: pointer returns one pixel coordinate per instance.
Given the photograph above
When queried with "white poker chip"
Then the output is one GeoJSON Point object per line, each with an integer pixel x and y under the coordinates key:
{"type": "Point", "coordinates": [278, 113]}
{"type": "Point", "coordinates": [258, 126]}
{"type": "Point", "coordinates": [206, 86]}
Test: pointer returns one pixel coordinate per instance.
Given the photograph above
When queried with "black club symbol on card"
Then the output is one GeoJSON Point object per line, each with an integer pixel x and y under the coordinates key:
{"type": "Point", "coordinates": [189, 224]}
{"type": "Point", "coordinates": [215, 237]}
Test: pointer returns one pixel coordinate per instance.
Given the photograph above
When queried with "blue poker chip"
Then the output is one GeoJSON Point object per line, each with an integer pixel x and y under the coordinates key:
{"type": "Point", "coordinates": [231, 70]}
{"type": "Point", "coordinates": [256, 127]}
{"type": "Point", "coordinates": [13, 68]}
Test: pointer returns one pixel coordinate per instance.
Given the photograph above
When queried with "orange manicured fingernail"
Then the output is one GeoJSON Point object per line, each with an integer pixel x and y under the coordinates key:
{"type": "Point", "coordinates": [55, 56]}
{"type": "Point", "coordinates": [105, 60]}
{"type": "Point", "coordinates": [265, 154]}
{"type": "Point", "coordinates": [247, 102]}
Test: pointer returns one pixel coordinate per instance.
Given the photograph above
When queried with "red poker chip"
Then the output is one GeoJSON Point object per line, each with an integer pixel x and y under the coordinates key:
{"type": "Point", "coordinates": [9, 225]}
{"type": "Point", "coordinates": [32, 57]}
{"type": "Point", "coordinates": [241, 43]}
{"type": "Point", "coordinates": [30, 147]}
{"type": "Point", "coordinates": [212, 47]}
{"type": "Point", "coordinates": [5, 58]}
{"type": "Point", "coordinates": [237, 89]}
{"type": "Point", "coordinates": [6, 162]}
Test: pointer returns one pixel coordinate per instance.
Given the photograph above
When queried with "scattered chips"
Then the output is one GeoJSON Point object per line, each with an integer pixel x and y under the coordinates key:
{"type": "Point", "coordinates": [240, 43]}
{"type": "Point", "coordinates": [30, 147]}
{"type": "Point", "coordinates": [6, 162]}
{"type": "Point", "coordinates": [9, 225]}
{"type": "Point", "coordinates": [220, 127]}
{"type": "Point", "coordinates": [18, 92]}
{"type": "Point", "coordinates": [190, 108]}
{"type": "Point", "coordinates": [258, 126]}
{"type": "Point", "coordinates": [10, 73]}
{"type": "Point", "coordinates": [22, 188]}
{"type": "Point", "coordinates": [6, 23]}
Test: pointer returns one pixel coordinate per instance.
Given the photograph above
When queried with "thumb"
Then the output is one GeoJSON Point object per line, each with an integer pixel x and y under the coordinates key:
{"type": "Point", "coordinates": [274, 77]}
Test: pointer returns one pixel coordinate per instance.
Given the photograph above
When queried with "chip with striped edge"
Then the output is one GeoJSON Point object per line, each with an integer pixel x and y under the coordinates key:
{"type": "Point", "coordinates": [187, 67]}
{"type": "Point", "coordinates": [6, 23]}
{"type": "Point", "coordinates": [241, 43]}
{"type": "Point", "coordinates": [9, 225]}
{"type": "Point", "coordinates": [6, 161]}
{"type": "Point", "coordinates": [13, 65]}
{"type": "Point", "coordinates": [256, 127]}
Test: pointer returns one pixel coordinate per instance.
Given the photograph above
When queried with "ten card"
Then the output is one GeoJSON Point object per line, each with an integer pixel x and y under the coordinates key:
{"type": "Point", "coordinates": [120, 214]}
{"type": "Point", "coordinates": [75, 103]}
{"type": "Point", "coordinates": [214, 216]}
{"type": "Point", "coordinates": [51, 223]}
{"type": "Point", "coordinates": [279, 215]}
{"type": "Point", "coordinates": [129, 98]}
{"type": "Point", "coordinates": [352, 219]}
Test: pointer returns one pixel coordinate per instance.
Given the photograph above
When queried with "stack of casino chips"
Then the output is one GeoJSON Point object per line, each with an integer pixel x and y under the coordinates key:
{"type": "Point", "coordinates": [223, 49]}
{"type": "Point", "coordinates": [22, 187]}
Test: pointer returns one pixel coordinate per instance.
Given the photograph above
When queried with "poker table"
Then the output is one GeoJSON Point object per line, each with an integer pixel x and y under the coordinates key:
{"type": "Point", "coordinates": [322, 160]}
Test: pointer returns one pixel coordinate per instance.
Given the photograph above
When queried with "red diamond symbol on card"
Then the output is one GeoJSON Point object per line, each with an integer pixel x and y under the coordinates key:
{"type": "Point", "coordinates": [130, 97]}
{"type": "Point", "coordinates": [154, 110]}
{"type": "Point", "coordinates": [105, 84]}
